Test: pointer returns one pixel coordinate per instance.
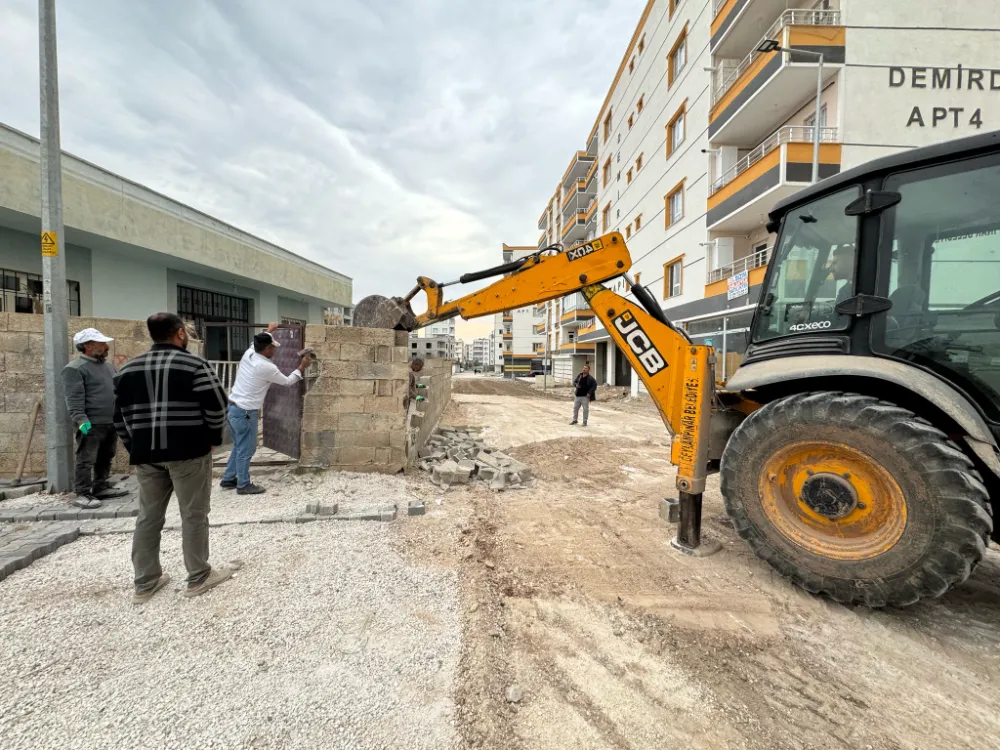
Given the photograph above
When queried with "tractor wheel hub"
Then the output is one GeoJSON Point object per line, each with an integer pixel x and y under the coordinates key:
{"type": "Point", "coordinates": [829, 495]}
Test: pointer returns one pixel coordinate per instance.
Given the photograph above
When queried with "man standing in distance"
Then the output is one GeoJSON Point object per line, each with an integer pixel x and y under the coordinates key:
{"type": "Point", "coordinates": [254, 377]}
{"type": "Point", "coordinates": [170, 410]}
{"type": "Point", "coordinates": [90, 400]}
{"type": "Point", "coordinates": [586, 391]}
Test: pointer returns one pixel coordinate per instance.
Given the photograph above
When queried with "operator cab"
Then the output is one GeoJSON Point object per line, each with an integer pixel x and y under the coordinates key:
{"type": "Point", "coordinates": [898, 258]}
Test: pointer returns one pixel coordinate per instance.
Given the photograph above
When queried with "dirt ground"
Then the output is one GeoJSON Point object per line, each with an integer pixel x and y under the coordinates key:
{"type": "Point", "coordinates": [572, 594]}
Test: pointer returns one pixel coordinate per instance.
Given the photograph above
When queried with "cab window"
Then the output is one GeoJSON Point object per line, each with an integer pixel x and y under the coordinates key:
{"type": "Point", "coordinates": [814, 269]}
{"type": "Point", "coordinates": [943, 268]}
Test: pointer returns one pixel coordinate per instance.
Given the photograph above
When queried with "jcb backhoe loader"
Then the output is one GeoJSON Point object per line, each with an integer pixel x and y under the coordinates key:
{"type": "Point", "coordinates": [857, 441]}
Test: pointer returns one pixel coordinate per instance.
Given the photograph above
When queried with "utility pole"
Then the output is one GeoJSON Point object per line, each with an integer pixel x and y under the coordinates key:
{"type": "Point", "coordinates": [55, 300]}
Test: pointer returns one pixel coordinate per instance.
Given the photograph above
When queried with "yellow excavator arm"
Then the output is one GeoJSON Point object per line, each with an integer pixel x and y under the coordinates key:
{"type": "Point", "coordinates": [679, 375]}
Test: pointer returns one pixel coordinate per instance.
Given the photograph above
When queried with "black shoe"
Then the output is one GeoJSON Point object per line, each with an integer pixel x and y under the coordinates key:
{"type": "Point", "coordinates": [573, 422]}
{"type": "Point", "coordinates": [250, 489]}
{"type": "Point", "coordinates": [228, 484]}
{"type": "Point", "coordinates": [109, 491]}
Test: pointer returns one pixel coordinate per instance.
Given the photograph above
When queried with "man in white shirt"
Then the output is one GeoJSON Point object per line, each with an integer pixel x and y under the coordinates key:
{"type": "Point", "coordinates": [254, 377]}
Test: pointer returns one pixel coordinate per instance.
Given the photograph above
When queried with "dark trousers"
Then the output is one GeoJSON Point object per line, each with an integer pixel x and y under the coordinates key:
{"type": "Point", "coordinates": [94, 453]}
{"type": "Point", "coordinates": [192, 482]}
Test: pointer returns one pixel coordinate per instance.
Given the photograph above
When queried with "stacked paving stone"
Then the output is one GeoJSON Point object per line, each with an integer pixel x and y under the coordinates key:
{"type": "Point", "coordinates": [456, 455]}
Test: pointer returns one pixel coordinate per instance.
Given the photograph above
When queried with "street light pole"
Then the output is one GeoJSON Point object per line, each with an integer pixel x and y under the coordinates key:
{"type": "Point", "coordinates": [55, 300]}
{"type": "Point", "coordinates": [772, 45]}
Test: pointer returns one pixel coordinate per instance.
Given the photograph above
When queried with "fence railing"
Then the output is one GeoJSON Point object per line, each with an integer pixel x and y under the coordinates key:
{"type": "Point", "coordinates": [226, 372]}
{"type": "Point", "coordinates": [750, 262]}
{"type": "Point", "coordinates": [788, 18]}
{"type": "Point", "coordinates": [790, 134]}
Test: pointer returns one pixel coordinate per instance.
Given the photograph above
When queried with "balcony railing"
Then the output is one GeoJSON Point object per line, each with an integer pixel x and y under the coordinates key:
{"type": "Point", "coordinates": [750, 262]}
{"type": "Point", "coordinates": [790, 134]}
{"type": "Point", "coordinates": [717, 6]}
{"type": "Point", "coordinates": [788, 18]}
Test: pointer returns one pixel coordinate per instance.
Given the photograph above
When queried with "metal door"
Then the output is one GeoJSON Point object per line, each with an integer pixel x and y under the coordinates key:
{"type": "Point", "coordinates": [282, 413]}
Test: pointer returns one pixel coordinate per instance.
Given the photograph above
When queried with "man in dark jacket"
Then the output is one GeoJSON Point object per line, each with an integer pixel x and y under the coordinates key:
{"type": "Point", "coordinates": [586, 391]}
{"type": "Point", "coordinates": [170, 410]}
{"type": "Point", "coordinates": [90, 400]}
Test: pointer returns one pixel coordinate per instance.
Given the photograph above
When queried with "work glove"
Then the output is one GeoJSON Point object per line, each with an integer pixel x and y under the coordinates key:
{"type": "Point", "coordinates": [421, 385]}
{"type": "Point", "coordinates": [85, 427]}
{"type": "Point", "coordinates": [420, 398]}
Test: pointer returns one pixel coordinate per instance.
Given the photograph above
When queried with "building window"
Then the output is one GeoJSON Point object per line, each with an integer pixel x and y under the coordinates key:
{"type": "Point", "coordinates": [413, 345]}
{"type": "Point", "coordinates": [638, 275]}
{"type": "Point", "coordinates": [673, 8]}
{"type": "Point", "coordinates": [640, 104]}
{"type": "Point", "coordinates": [631, 121]}
{"type": "Point", "coordinates": [638, 162]}
{"type": "Point", "coordinates": [673, 272]}
{"type": "Point", "coordinates": [606, 218]}
{"type": "Point", "coordinates": [631, 65]}
{"type": "Point", "coordinates": [628, 232]}
{"type": "Point", "coordinates": [675, 205]}
{"type": "Point", "coordinates": [638, 222]}
{"type": "Point", "coordinates": [676, 130]}
{"type": "Point", "coordinates": [606, 172]}
{"type": "Point", "coordinates": [642, 44]}
{"type": "Point", "coordinates": [607, 126]}
{"type": "Point", "coordinates": [628, 177]}
{"type": "Point", "coordinates": [677, 58]}
{"type": "Point", "coordinates": [22, 293]}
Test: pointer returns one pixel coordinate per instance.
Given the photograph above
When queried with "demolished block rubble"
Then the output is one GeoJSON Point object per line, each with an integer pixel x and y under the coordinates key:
{"type": "Point", "coordinates": [457, 455]}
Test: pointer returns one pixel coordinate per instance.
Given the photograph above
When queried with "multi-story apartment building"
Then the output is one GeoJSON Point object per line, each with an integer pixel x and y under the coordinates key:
{"type": "Point", "coordinates": [520, 347]}
{"type": "Point", "coordinates": [440, 347]}
{"type": "Point", "coordinates": [481, 354]}
{"type": "Point", "coordinates": [713, 116]}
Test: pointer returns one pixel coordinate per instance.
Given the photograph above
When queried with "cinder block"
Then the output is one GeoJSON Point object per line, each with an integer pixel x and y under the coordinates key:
{"type": "Point", "coordinates": [383, 405]}
{"type": "Point", "coordinates": [387, 421]}
{"type": "Point", "coordinates": [382, 387]}
{"type": "Point", "coordinates": [31, 364]}
{"type": "Point", "coordinates": [368, 439]}
{"type": "Point", "coordinates": [22, 343]}
{"type": "Point", "coordinates": [358, 421]}
{"type": "Point", "coordinates": [315, 420]}
{"type": "Point", "coordinates": [315, 335]}
{"type": "Point", "coordinates": [402, 338]}
{"type": "Point", "coordinates": [383, 354]}
{"type": "Point", "coordinates": [344, 404]}
{"type": "Point", "coordinates": [354, 456]}
{"type": "Point", "coordinates": [344, 334]}
{"type": "Point", "coordinates": [378, 337]}
{"type": "Point", "coordinates": [340, 387]}
{"type": "Point", "coordinates": [26, 322]}
{"type": "Point", "coordinates": [401, 354]}
{"type": "Point", "coordinates": [4, 318]}
{"type": "Point", "coordinates": [357, 353]}
{"type": "Point", "coordinates": [339, 370]}
{"type": "Point", "coordinates": [397, 438]}
{"type": "Point", "coordinates": [326, 352]}
{"type": "Point", "coordinates": [383, 455]}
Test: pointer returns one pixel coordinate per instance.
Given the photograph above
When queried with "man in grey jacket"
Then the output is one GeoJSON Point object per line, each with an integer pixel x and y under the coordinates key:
{"type": "Point", "coordinates": [90, 400]}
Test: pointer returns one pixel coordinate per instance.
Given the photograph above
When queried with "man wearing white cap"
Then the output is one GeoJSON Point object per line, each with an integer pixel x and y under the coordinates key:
{"type": "Point", "coordinates": [90, 400]}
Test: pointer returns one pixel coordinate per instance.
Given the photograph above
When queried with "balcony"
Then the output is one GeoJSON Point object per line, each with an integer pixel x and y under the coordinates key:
{"type": "Point", "coordinates": [754, 264]}
{"type": "Point", "coordinates": [543, 220]}
{"type": "Point", "coordinates": [738, 24]}
{"type": "Point", "coordinates": [542, 240]}
{"type": "Point", "coordinates": [578, 168]}
{"type": "Point", "coordinates": [749, 99]}
{"type": "Point", "coordinates": [575, 347]}
{"type": "Point", "coordinates": [539, 329]}
{"type": "Point", "coordinates": [775, 169]}
{"type": "Point", "coordinates": [575, 228]}
{"type": "Point", "coordinates": [575, 312]}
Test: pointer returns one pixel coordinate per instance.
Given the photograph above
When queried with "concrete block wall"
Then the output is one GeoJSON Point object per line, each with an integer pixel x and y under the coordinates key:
{"type": "Point", "coordinates": [436, 376]}
{"type": "Point", "coordinates": [352, 415]}
{"type": "Point", "coordinates": [22, 380]}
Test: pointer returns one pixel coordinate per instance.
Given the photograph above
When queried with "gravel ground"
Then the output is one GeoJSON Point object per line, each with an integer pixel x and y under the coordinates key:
{"type": "Point", "coordinates": [326, 638]}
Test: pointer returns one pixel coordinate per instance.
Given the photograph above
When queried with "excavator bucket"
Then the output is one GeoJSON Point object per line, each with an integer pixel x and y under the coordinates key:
{"type": "Point", "coordinates": [376, 311]}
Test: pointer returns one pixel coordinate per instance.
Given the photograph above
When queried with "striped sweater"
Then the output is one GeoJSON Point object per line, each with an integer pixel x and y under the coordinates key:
{"type": "Point", "coordinates": [169, 406]}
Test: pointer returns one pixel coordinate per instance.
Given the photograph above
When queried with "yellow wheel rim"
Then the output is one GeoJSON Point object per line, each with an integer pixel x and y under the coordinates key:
{"type": "Point", "coordinates": [833, 500]}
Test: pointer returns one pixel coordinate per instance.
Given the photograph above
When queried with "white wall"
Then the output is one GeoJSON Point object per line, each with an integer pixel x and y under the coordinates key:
{"type": "Point", "coordinates": [654, 243]}
{"type": "Point", "coordinates": [876, 113]}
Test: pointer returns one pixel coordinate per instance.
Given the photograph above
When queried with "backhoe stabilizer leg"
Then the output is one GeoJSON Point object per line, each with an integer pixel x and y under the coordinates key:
{"type": "Point", "coordinates": [688, 540]}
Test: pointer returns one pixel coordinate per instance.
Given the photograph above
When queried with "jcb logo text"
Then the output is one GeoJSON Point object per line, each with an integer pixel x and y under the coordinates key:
{"type": "Point", "coordinates": [582, 251]}
{"type": "Point", "coordinates": [640, 344]}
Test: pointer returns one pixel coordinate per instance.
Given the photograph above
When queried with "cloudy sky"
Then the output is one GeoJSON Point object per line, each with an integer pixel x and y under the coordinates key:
{"type": "Point", "coordinates": [383, 140]}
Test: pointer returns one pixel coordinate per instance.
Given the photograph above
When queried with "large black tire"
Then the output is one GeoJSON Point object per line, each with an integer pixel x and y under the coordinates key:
{"type": "Point", "coordinates": [946, 507]}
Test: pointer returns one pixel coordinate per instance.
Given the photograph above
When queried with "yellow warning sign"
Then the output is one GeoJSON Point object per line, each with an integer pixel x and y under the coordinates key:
{"type": "Point", "coordinates": [50, 247]}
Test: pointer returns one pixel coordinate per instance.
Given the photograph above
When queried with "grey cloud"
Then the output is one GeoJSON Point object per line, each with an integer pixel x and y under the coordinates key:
{"type": "Point", "coordinates": [384, 140]}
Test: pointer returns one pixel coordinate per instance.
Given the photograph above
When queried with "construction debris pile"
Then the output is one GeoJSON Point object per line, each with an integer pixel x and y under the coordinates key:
{"type": "Point", "coordinates": [456, 455]}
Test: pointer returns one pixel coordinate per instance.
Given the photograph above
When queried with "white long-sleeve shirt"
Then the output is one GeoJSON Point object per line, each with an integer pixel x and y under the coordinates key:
{"type": "Point", "coordinates": [254, 376]}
